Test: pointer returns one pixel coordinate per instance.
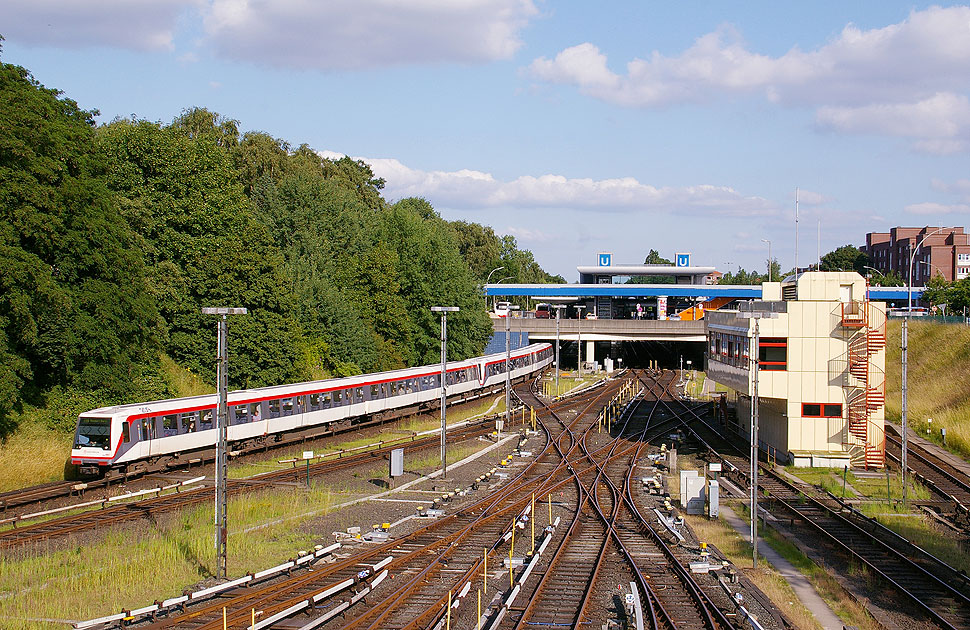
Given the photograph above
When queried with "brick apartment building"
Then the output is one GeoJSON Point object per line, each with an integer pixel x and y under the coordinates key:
{"type": "Point", "coordinates": [946, 252]}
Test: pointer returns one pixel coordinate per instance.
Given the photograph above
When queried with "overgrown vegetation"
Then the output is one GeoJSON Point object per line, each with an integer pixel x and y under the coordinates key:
{"type": "Point", "coordinates": [113, 237]}
{"type": "Point", "coordinates": [938, 355]}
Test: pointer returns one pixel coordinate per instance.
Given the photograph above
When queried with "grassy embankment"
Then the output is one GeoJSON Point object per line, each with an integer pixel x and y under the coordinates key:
{"type": "Point", "coordinates": [939, 361]}
{"type": "Point", "coordinates": [135, 565]}
{"type": "Point", "coordinates": [37, 453]}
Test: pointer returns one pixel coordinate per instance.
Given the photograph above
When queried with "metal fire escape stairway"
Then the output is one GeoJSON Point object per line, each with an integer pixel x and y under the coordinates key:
{"type": "Point", "coordinates": [865, 385]}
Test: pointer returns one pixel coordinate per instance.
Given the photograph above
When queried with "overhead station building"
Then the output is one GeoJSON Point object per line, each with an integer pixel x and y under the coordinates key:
{"type": "Point", "coordinates": [820, 369]}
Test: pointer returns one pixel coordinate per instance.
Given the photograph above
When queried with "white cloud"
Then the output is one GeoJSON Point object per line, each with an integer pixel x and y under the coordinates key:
{"type": "Point", "coordinates": [340, 34]}
{"type": "Point", "coordinates": [304, 34]}
{"type": "Point", "coordinates": [466, 189]}
{"type": "Point", "coordinates": [936, 208]}
{"type": "Point", "coordinates": [941, 123]}
{"type": "Point", "coordinates": [906, 79]}
{"type": "Point", "coordinates": [147, 25]}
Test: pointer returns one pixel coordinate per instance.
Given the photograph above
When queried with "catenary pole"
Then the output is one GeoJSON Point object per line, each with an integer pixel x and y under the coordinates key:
{"type": "Point", "coordinates": [222, 429]}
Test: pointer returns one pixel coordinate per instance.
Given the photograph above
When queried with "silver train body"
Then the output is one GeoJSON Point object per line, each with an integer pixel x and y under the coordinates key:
{"type": "Point", "coordinates": [141, 435]}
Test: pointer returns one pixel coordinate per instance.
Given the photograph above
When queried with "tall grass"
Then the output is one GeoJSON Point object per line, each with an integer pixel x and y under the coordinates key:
{"type": "Point", "coordinates": [939, 360]}
{"type": "Point", "coordinates": [132, 567]}
{"type": "Point", "coordinates": [33, 455]}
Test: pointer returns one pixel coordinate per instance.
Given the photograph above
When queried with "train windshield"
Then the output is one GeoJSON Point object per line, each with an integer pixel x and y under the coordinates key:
{"type": "Point", "coordinates": [93, 433]}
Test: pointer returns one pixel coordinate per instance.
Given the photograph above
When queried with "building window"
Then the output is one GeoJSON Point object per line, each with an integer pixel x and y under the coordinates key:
{"type": "Point", "coordinates": [773, 354]}
{"type": "Point", "coordinates": [821, 410]}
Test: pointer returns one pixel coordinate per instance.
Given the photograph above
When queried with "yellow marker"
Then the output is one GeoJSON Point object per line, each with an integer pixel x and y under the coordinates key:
{"type": "Point", "coordinates": [479, 609]}
{"type": "Point", "coordinates": [448, 622]}
{"type": "Point", "coordinates": [223, 618]}
{"type": "Point", "coordinates": [550, 508]}
{"type": "Point", "coordinates": [254, 620]}
{"type": "Point", "coordinates": [511, 578]}
{"type": "Point", "coordinates": [485, 569]}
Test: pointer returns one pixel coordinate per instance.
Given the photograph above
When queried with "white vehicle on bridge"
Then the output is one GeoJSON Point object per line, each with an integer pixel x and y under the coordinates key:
{"type": "Point", "coordinates": [165, 433]}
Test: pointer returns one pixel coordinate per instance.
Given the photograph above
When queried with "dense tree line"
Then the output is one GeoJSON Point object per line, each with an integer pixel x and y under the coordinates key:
{"type": "Point", "coordinates": [113, 237]}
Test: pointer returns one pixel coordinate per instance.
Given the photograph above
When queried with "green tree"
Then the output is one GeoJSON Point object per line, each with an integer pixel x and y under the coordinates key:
{"type": "Point", "coordinates": [74, 305]}
{"type": "Point", "coordinates": [846, 258]}
{"type": "Point", "coordinates": [179, 189]}
{"type": "Point", "coordinates": [937, 290]}
{"type": "Point", "coordinates": [653, 258]}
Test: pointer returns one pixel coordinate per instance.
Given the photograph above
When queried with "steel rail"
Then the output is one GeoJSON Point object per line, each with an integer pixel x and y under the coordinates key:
{"type": "Point", "coordinates": [958, 604]}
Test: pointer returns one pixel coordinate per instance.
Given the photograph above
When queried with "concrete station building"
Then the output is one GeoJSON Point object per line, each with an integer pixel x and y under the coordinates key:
{"type": "Point", "coordinates": [820, 369]}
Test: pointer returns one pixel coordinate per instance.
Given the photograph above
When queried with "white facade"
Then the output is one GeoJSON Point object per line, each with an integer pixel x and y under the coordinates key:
{"type": "Point", "coordinates": [821, 381]}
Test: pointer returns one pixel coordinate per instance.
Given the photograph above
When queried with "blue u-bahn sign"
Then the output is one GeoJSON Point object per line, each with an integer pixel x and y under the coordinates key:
{"type": "Point", "coordinates": [682, 260]}
{"type": "Point", "coordinates": [605, 259]}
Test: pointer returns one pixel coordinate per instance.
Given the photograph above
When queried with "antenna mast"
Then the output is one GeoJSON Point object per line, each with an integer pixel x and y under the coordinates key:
{"type": "Point", "coordinates": [796, 231]}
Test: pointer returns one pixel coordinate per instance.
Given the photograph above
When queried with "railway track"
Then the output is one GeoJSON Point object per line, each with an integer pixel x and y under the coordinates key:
{"type": "Point", "coordinates": [949, 483]}
{"type": "Point", "coordinates": [150, 508]}
{"type": "Point", "coordinates": [493, 548]}
{"type": "Point", "coordinates": [930, 587]}
{"type": "Point", "coordinates": [424, 562]}
{"type": "Point", "coordinates": [15, 502]}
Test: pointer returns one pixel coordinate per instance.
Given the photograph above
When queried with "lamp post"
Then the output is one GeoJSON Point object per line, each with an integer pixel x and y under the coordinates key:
{"type": "Point", "coordinates": [499, 425]}
{"type": "Point", "coordinates": [904, 343]}
{"type": "Point", "coordinates": [558, 308]}
{"type": "Point", "coordinates": [489, 279]}
{"type": "Point", "coordinates": [444, 310]}
{"type": "Point", "coordinates": [222, 426]}
{"type": "Point", "coordinates": [764, 240]}
{"type": "Point", "coordinates": [874, 269]}
{"type": "Point", "coordinates": [754, 366]}
{"type": "Point", "coordinates": [579, 339]}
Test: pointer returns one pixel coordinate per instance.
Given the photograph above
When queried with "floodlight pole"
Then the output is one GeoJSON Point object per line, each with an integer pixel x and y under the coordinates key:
{"type": "Point", "coordinates": [508, 371]}
{"type": "Point", "coordinates": [444, 310]}
{"type": "Point", "coordinates": [222, 426]}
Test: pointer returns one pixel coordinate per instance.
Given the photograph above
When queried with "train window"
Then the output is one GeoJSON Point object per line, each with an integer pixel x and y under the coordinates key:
{"type": "Point", "coordinates": [125, 432]}
{"type": "Point", "coordinates": [205, 420]}
{"type": "Point", "coordinates": [300, 403]}
{"type": "Point", "coordinates": [188, 421]}
{"type": "Point", "coordinates": [314, 402]}
{"type": "Point", "coordinates": [338, 397]}
{"type": "Point", "coordinates": [274, 409]}
{"type": "Point", "coordinates": [359, 394]}
{"type": "Point", "coordinates": [240, 414]}
{"type": "Point", "coordinates": [287, 404]}
{"type": "Point", "coordinates": [254, 412]}
{"type": "Point", "coordinates": [93, 432]}
{"type": "Point", "coordinates": [170, 425]}
{"type": "Point", "coordinates": [325, 400]}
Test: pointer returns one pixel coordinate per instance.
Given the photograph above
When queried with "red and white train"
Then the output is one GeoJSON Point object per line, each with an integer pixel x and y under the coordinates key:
{"type": "Point", "coordinates": [153, 435]}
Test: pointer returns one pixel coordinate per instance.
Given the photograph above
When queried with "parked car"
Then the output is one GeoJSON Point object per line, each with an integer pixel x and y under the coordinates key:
{"type": "Point", "coordinates": [543, 311]}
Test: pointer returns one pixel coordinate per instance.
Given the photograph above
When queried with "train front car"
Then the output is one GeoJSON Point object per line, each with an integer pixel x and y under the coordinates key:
{"type": "Point", "coordinates": [95, 441]}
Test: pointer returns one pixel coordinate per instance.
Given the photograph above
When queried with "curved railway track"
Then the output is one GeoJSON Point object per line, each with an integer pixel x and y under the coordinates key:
{"type": "Point", "coordinates": [598, 535]}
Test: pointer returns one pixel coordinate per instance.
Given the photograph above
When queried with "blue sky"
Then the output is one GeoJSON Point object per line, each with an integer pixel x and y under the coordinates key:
{"type": "Point", "coordinates": [577, 127]}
